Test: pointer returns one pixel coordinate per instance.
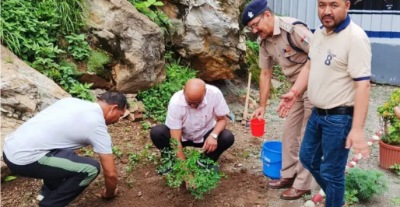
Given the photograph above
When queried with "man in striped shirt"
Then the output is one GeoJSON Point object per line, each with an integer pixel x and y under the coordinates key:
{"type": "Point", "coordinates": [197, 116]}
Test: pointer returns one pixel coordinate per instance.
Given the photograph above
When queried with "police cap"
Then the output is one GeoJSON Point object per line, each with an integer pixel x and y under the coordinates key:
{"type": "Point", "coordinates": [253, 9]}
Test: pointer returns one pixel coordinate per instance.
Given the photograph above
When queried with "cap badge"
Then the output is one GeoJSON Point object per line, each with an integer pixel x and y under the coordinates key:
{"type": "Point", "coordinates": [250, 14]}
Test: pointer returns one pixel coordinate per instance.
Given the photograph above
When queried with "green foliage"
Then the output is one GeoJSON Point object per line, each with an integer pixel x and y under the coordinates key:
{"type": "Point", "coordinates": [143, 156]}
{"type": "Point", "coordinates": [201, 180]}
{"type": "Point", "coordinates": [278, 75]}
{"type": "Point", "coordinates": [97, 60]}
{"type": "Point", "coordinates": [252, 50]}
{"type": "Point", "coordinates": [395, 201]}
{"type": "Point", "coordinates": [81, 90]}
{"type": "Point", "coordinates": [395, 168]}
{"type": "Point", "coordinates": [86, 151]}
{"type": "Point", "coordinates": [361, 185]}
{"type": "Point", "coordinates": [31, 30]}
{"type": "Point", "coordinates": [72, 14]}
{"type": "Point", "coordinates": [117, 152]}
{"type": "Point", "coordinates": [351, 197]}
{"type": "Point", "coordinates": [24, 31]}
{"type": "Point", "coordinates": [391, 122]}
{"type": "Point", "coordinates": [157, 98]}
{"type": "Point", "coordinates": [10, 178]}
{"type": "Point", "coordinates": [252, 56]}
{"type": "Point", "coordinates": [77, 46]}
{"type": "Point", "coordinates": [27, 23]}
{"type": "Point", "coordinates": [149, 8]}
{"type": "Point", "coordinates": [145, 125]}
{"type": "Point", "coordinates": [147, 4]}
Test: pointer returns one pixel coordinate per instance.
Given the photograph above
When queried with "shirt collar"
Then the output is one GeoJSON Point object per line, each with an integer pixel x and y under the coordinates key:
{"type": "Point", "coordinates": [341, 26]}
{"type": "Point", "coordinates": [277, 30]}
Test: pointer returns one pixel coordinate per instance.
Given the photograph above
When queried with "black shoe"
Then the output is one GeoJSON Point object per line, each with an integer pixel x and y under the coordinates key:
{"type": "Point", "coordinates": [44, 191]}
{"type": "Point", "coordinates": [208, 166]}
{"type": "Point", "coordinates": [164, 171]}
{"type": "Point", "coordinates": [166, 166]}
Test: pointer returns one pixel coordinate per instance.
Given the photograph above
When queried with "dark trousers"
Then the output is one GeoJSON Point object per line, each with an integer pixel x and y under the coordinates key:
{"type": "Point", "coordinates": [160, 135]}
{"type": "Point", "coordinates": [65, 174]}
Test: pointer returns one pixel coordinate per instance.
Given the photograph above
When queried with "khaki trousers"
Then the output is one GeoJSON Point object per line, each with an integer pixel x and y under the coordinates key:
{"type": "Point", "coordinates": [293, 132]}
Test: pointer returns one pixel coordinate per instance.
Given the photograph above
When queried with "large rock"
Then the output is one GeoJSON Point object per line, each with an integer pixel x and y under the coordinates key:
{"type": "Point", "coordinates": [135, 42]}
{"type": "Point", "coordinates": [206, 33]}
{"type": "Point", "coordinates": [24, 92]}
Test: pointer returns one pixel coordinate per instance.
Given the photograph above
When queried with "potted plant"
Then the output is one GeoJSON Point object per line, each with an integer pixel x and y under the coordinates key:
{"type": "Point", "coordinates": [389, 151]}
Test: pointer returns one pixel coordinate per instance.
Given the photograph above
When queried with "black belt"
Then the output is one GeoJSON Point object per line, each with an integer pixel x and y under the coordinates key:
{"type": "Point", "coordinates": [341, 110]}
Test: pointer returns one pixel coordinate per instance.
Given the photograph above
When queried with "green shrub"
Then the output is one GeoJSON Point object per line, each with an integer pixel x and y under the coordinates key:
{"type": "Point", "coordinates": [395, 168]}
{"type": "Point", "coordinates": [97, 61]}
{"type": "Point", "coordinates": [252, 50]}
{"type": "Point", "coordinates": [148, 8]}
{"type": "Point", "coordinates": [157, 98]}
{"type": "Point", "coordinates": [31, 30]}
{"type": "Point", "coordinates": [201, 179]}
{"type": "Point", "coordinates": [361, 185]}
{"type": "Point", "coordinates": [72, 14]}
{"type": "Point", "coordinates": [391, 122]}
{"type": "Point", "coordinates": [252, 57]}
{"type": "Point", "coordinates": [81, 90]}
{"type": "Point", "coordinates": [77, 46]}
{"type": "Point", "coordinates": [24, 31]}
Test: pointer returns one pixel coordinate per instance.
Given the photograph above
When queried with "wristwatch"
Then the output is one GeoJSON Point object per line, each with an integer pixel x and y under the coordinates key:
{"type": "Point", "coordinates": [215, 136]}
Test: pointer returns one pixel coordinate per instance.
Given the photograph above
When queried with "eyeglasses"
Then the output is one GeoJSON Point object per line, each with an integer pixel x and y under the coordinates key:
{"type": "Point", "coordinates": [254, 25]}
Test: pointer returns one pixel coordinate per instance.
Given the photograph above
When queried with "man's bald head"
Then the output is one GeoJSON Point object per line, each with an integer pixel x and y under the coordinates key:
{"type": "Point", "coordinates": [194, 92]}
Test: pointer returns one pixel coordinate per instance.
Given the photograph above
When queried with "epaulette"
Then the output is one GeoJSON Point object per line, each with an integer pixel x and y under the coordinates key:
{"type": "Point", "coordinates": [286, 26]}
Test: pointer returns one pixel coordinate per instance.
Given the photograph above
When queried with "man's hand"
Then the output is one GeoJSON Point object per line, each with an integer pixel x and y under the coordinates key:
{"type": "Point", "coordinates": [259, 113]}
{"type": "Point", "coordinates": [210, 144]}
{"type": "Point", "coordinates": [107, 195]}
{"type": "Point", "coordinates": [356, 140]}
{"type": "Point", "coordinates": [286, 104]}
{"type": "Point", "coordinates": [110, 175]}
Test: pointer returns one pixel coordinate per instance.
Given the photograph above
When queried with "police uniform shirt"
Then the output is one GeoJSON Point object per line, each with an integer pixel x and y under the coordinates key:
{"type": "Point", "coordinates": [338, 59]}
{"type": "Point", "coordinates": [276, 49]}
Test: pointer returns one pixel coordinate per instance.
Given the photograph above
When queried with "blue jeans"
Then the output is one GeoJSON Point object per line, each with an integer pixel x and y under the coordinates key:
{"type": "Point", "coordinates": [323, 153]}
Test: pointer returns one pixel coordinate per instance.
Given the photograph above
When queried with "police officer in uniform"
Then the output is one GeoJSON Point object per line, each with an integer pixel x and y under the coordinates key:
{"type": "Point", "coordinates": [285, 41]}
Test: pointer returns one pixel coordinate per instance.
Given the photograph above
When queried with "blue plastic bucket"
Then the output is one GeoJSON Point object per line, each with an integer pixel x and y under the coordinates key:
{"type": "Point", "coordinates": [271, 156]}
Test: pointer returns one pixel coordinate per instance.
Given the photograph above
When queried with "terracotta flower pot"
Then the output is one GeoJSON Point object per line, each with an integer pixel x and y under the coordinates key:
{"type": "Point", "coordinates": [388, 155]}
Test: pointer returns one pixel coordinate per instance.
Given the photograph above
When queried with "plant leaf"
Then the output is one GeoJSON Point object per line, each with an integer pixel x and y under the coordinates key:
{"type": "Point", "coordinates": [10, 178]}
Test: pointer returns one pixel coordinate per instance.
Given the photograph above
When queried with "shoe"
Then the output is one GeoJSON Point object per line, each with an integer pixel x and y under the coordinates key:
{"type": "Point", "coordinates": [208, 166]}
{"type": "Point", "coordinates": [293, 194]}
{"type": "Point", "coordinates": [43, 192]}
{"type": "Point", "coordinates": [281, 183]}
{"type": "Point", "coordinates": [164, 171]}
{"type": "Point", "coordinates": [167, 165]}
